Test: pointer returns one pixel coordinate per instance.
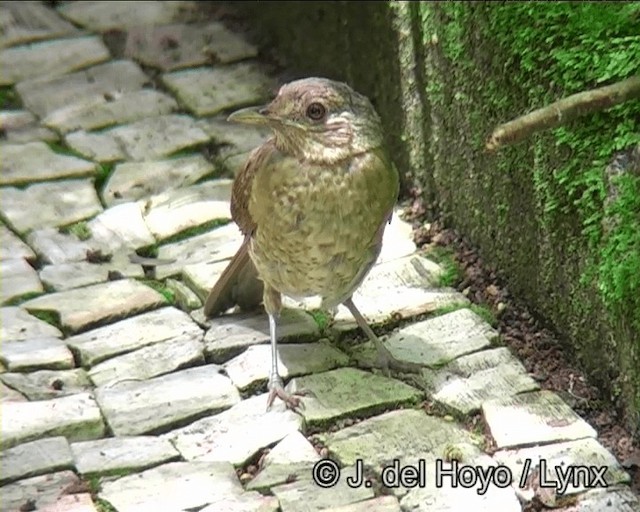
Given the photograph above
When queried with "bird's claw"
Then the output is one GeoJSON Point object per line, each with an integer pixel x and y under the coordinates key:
{"type": "Point", "coordinates": [292, 401]}
{"type": "Point", "coordinates": [387, 362]}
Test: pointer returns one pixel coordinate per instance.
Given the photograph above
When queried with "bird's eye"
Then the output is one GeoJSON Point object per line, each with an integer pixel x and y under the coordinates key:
{"type": "Point", "coordinates": [316, 111]}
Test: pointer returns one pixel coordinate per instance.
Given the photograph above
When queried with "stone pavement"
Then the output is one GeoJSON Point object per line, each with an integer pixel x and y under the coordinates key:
{"type": "Point", "coordinates": [118, 395]}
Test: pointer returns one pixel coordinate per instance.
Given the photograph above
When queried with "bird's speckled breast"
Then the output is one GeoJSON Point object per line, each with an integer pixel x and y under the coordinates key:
{"type": "Point", "coordinates": [319, 228]}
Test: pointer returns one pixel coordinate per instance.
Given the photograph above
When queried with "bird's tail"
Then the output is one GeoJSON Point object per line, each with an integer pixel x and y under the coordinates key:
{"type": "Point", "coordinates": [239, 285]}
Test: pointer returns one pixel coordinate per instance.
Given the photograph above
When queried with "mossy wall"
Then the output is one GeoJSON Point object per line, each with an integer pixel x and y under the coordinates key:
{"type": "Point", "coordinates": [564, 232]}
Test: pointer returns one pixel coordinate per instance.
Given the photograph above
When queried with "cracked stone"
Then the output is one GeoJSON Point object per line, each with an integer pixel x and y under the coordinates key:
{"type": "Point", "coordinates": [48, 492]}
{"type": "Point", "coordinates": [12, 247]}
{"type": "Point", "coordinates": [134, 180]}
{"type": "Point", "coordinates": [252, 366]}
{"type": "Point", "coordinates": [236, 434]}
{"type": "Point", "coordinates": [24, 22]}
{"type": "Point", "coordinates": [55, 247]}
{"type": "Point", "coordinates": [184, 297]}
{"type": "Point", "coordinates": [82, 308]}
{"type": "Point", "coordinates": [36, 353]}
{"type": "Point", "coordinates": [348, 391]}
{"type": "Point", "coordinates": [59, 203]}
{"type": "Point", "coordinates": [117, 455]}
{"type": "Point", "coordinates": [582, 453]}
{"type": "Point", "coordinates": [147, 362]}
{"type": "Point", "coordinates": [294, 455]}
{"type": "Point", "coordinates": [127, 335]}
{"type": "Point", "coordinates": [48, 384]}
{"type": "Point", "coordinates": [46, 95]}
{"type": "Point", "coordinates": [76, 417]}
{"type": "Point", "coordinates": [66, 276]}
{"type": "Point", "coordinates": [216, 245]}
{"type": "Point", "coordinates": [35, 458]}
{"type": "Point", "coordinates": [230, 335]}
{"type": "Point", "coordinates": [110, 109]}
{"type": "Point", "coordinates": [209, 91]}
{"type": "Point", "coordinates": [148, 139]}
{"type": "Point", "coordinates": [18, 279]}
{"type": "Point", "coordinates": [50, 58]}
{"type": "Point", "coordinates": [35, 161]}
{"type": "Point", "coordinates": [171, 212]}
{"type": "Point", "coordinates": [184, 486]}
{"type": "Point", "coordinates": [538, 417]}
{"type": "Point", "coordinates": [467, 382]}
{"type": "Point", "coordinates": [104, 16]}
{"type": "Point", "coordinates": [171, 47]}
{"type": "Point", "coordinates": [16, 324]}
{"type": "Point", "coordinates": [402, 434]}
{"type": "Point", "coordinates": [133, 408]}
{"type": "Point", "coordinates": [121, 228]}
{"type": "Point", "coordinates": [305, 494]}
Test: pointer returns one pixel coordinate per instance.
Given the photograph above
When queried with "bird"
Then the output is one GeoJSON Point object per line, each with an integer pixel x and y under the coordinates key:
{"type": "Point", "coordinates": [312, 203]}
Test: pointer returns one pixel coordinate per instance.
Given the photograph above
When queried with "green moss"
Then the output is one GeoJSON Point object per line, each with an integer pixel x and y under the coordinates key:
{"type": "Point", "coordinates": [321, 318]}
{"type": "Point", "coordinates": [445, 257]}
{"type": "Point", "coordinates": [63, 149]}
{"type": "Point", "coordinates": [51, 317]}
{"type": "Point", "coordinates": [160, 287]}
{"type": "Point", "coordinates": [196, 230]}
{"type": "Point", "coordinates": [22, 298]}
{"type": "Point", "coordinates": [8, 98]}
{"type": "Point", "coordinates": [80, 229]}
{"type": "Point", "coordinates": [104, 172]}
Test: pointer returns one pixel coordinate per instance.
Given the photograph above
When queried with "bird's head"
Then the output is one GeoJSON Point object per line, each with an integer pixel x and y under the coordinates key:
{"type": "Point", "coordinates": [318, 120]}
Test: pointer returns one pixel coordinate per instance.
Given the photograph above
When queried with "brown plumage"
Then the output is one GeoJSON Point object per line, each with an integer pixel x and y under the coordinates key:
{"type": "Point", "coordinates": [312, 203]}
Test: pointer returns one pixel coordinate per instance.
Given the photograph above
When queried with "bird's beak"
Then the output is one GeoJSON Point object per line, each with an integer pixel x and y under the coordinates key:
{"type": "Point", "coordinates": [249, 115]}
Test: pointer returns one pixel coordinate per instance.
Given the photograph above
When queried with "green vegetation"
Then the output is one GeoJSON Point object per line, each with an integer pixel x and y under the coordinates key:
{"type": "Point", "coordinates": [150, 251]}
{"type": "Point", "coordinates": [63, 149]}
{"type": "Point", "coordinates": [51, 317]}
{"type": "Point", "coordinates": [196, 230]}
{"type": "Point", "coordinates": [321, 318]}
{"type": "Point", "coordinates": [22, 298]}
{"type": "Point", "coordinates": [445, 257]}
{"type": "Point", "coordinates": [80, 229]}
{"type": "Point", "coordinates": [8, 98]}
{"type": "Point", "coordinates": [160, 287]}
{"type": "Point", "coordinates": [104, 171]}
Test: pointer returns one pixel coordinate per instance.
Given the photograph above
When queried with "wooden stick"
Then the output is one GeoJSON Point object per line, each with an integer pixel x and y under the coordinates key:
{"type": "Point", "coordinates": [563, 111]}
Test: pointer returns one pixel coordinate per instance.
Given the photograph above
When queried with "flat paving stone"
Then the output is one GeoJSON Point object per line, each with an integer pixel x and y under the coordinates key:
{"type": "Point", "coordinates": [133, 408]}
{"type": "Point", "coordinates": [30, 21]}
{"type": "Point", "coordinates": [294, 455]}
{"type": "Point", "coordinates": [184, 296]}
{"type": "Point", "coordinates": [538, 417]}
{"type": "Point", "coordinates": [35, 458]}
{"type": "Point", "coordinates": [135, 180]}
{"type": "Point", "coordinates": [236, 141]}
{"type": "Point", "coordinates": [16, 324]}
{"type": "Point", "coordinates": [35, 353]}
{"type": "Point", "coordinates": [467, 382]}
{"type": "Point", "coordinates": [35, 161]}
{"type": "Point", "coordinates": [236, 434]}
{"type": "Point", "coordinates": [148, 139]}
{"type": "Point", "coordinates": [252, 366]}
{"type": "Point", "coordinates": [165, 324]}
{"type": "Point", "coordinates": [229, 335]}
{"type": "Point", "coordinates": [55, 247]}
{"type": "Point", "coordinates": [397, 241]}
{"type": "Point", "coordinates": [66, 276]}
{"type": "Point", "coordinates": [48, 384]}
{"type": "Point", "coordinates": [121, 228]}
{"type": "Point", "coordinates": [620, 499]}
{"type": "Point", "coordinates": [307, 495]}
{"type": "Point", "coordinates": [59, 203]}
{"type": "Point", "coordinates": [76, 417]}
{"type": "Point", "coordinates": [119, 455]}
{"type": "Point", "coordinates": [33, 133]}
{"type": "Point", "coordinates": [46, 492]}
{"type": "Point", "coordinates": [82, 308]}
{"type": "Point", "coordinates": [147, 362]}
{"type": "Point", "coordinates": [214, 246]}
{"type": "Point", "coordinates": [401, 288]}
{"type": "Point", "coordinates": [50, 58]}
{"type": "Point", "coordinates": [379, 504]}
{"type": "Point", "coordinates": [8, 394]}
{"type": "Point", "coordinates": [18, 279]}
{"type": "Point", "coordinates": [209, 91]}
{"type": "Point", "coordinates": [46, 95]}
{"type": "Point", "coordinates": [104, 16]}
{"type": "Point", "coordinates": [184, 486]}
{"type": "Point", "coordinates": [171, 212]}
{"type": "Point", "coordinates": [12, 247]}
{"type": "Point", "coordinates": [558, 459]}
{"type": "Point", "coordinates": [110, 109]}
{"type": "Point", "coordinates": [404, 434]}
{"type": "Point", "coordinates": [191, 45]}
{"type": "Point", "coordinates": [439, 340]}
{"type": "Point", "coordinates": [16, 119]}
{"type": "Point", "coordinates": [347, 392]}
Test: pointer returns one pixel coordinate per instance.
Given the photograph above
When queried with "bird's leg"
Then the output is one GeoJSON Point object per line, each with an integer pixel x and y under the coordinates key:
{"type": "Point", "coordinates": [273, 304]}
{"type": "Point", "coordinates": [385, 359]}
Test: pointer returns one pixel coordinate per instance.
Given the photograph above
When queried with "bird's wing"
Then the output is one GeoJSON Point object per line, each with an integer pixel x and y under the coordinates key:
{"type": "Point", "coordinates": [243, 185]}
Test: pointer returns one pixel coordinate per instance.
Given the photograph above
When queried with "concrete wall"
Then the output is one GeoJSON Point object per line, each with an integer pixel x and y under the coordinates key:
{"type": "Point", "coordinates": [442, 77]}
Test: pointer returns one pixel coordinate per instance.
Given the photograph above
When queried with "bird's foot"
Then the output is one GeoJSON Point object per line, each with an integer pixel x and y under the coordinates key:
{"type": "Point", "coordinates": [292, 401]}
{"type": "Point", "coordinates": [387, 362]}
